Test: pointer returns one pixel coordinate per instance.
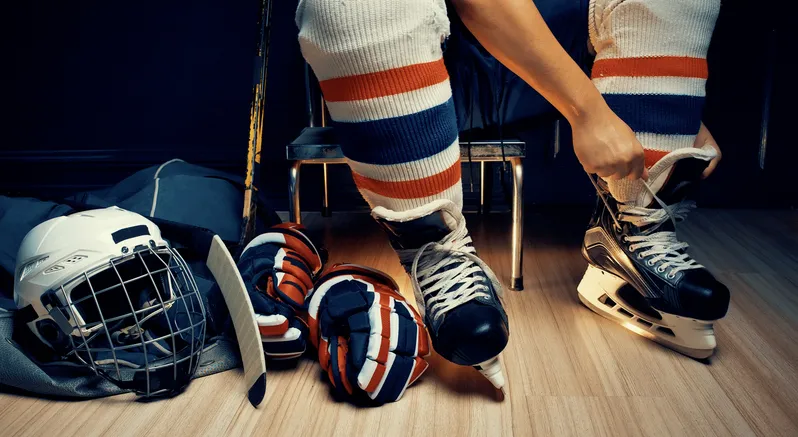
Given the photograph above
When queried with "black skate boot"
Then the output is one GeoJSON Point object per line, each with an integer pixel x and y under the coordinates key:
{"type": "Point", "coordinates": [640, 274]}
{"type": "Point", "coordinates": [457, 293]}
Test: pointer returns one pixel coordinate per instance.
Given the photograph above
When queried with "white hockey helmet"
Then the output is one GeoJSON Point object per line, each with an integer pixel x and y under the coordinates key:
{"type": "Point", "coordinates": [103, 288]}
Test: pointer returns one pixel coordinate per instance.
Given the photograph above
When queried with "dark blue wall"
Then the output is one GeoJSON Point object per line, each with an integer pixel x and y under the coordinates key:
{"type": "Point", "coordinates": [94, 91]}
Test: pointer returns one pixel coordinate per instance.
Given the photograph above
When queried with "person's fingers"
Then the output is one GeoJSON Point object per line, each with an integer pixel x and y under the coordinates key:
{"type": "Point", "coordinates": [637, 165]}
{"type": "Point", "coordinates": [644, 176]}
{"type": "Point", "coordinates": [711, 167]}
{"type": "Point", "coordinates": [705, 138]}
{"type": "Point", "coordinates": [619, 171]}
{"type": "Point", "coordinates": [606, 172]}
{"type": "Point", "coordinates": [715, 161]}
{"type": "Point", "coordinates": [637, 173]}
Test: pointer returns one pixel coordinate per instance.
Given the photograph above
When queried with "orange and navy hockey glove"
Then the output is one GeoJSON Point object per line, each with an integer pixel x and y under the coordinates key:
{"type": "Point", "coordinates": [369, 339]}
{"type": "Point", "coordinates": [279, 268]}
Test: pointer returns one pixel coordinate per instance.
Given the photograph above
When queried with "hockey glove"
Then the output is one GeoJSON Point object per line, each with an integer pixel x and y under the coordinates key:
{"type": "Point", "coordinates": [279, 268]}
{"type": "Point", "coordinates": [369, 339]}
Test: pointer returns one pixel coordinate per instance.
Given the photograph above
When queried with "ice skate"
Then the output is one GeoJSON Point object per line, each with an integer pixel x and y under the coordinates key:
{"type": "Point", "coordinates": [457, 293]}
{"type": "Point", "coordinates": [640, 274]}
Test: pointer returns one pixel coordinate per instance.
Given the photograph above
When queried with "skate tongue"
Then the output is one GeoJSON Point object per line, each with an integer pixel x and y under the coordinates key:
{"type": "Point", "coordinates": [413, 228]}
{"type": "Point", "coordinates": [674, 176]}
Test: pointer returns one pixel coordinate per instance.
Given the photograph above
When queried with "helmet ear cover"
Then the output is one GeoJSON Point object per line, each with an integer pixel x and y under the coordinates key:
{"type": "Point", "coordinates": [53, 334]}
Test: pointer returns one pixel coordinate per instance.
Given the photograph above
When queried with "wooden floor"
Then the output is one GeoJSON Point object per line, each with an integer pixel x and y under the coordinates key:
{"type": "Point", "coordinates": [570, 372]}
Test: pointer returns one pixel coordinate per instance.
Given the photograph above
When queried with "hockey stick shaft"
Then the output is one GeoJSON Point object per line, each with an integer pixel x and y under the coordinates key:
{"type": "Point", "coordinates": [257, 110]}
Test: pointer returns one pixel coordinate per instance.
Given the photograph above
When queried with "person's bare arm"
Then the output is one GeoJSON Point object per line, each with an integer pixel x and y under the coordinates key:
{"type": "Point", "coordinates": [514, 32]}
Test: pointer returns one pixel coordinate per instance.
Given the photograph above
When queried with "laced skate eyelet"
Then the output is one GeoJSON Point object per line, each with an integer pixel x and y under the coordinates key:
{"type": "Point", "coordinates": [650, 263]}
{"type": "Point", "coordinates": [660, 269]}
{"type": "Point", "coordinates": [640, 255]}
{"type": "Point", "coordinates": [671, 276]}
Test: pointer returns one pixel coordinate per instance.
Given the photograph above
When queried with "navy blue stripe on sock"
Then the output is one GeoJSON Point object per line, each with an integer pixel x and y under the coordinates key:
{"type": "Point", "coordinates": [402, 139]}
{"type": "Point", "coordinates": [659, 113]}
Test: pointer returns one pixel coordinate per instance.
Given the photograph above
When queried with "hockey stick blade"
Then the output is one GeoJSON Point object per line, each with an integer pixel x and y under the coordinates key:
{"type": "Point", "coordinates": [224, 270]}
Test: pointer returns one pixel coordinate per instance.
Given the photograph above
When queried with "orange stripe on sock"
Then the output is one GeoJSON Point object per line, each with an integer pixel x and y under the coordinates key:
{"type": "Point", "coordinates": [652, 156]}
{"type": "Point", "coordinates": [677, 66]}
{"type": "Point", "coordinates": [414, 189]}
{"type": "Point", "coordinates": [384, 83]}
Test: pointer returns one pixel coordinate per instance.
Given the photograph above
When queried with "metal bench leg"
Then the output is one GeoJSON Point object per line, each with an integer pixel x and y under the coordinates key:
{"type": "Point", "coordinates": [294, 213]}
{"type": "Point", "coordinates": [482, 187]}
{"type": "Point", "coordinates": [325, 206]}
{"type": "Point", "coordinates": [517, 281]}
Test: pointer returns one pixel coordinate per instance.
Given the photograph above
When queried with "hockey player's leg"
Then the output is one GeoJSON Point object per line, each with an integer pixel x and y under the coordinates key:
{"type": "Point", "coordinates": [381, 71]}
{"type": "Point", "coordinates": [651, 69]}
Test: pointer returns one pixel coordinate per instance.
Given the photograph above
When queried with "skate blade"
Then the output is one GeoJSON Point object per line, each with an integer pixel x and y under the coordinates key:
{"type": "Point", "coordinates": [597, 283]}
{"type": "Point", "coordinates": [698, 354]}
{"type": "Point", "coordinates": [492, 370]}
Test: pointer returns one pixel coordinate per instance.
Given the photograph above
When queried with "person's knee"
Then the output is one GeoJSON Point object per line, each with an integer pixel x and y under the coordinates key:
{"type": "Point", "coordinates": [339, 37]}
{"type": "Point", "coordinates": [636, 28]}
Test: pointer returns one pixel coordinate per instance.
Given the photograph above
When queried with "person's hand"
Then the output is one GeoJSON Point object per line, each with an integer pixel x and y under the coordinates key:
{"type": "Point", "coordinates": [606, 146]}
{"type": "Point", "coordinates": [704, 138]}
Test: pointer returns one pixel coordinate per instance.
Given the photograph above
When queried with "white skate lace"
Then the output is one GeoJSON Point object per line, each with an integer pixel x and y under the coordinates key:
{"type": "Point", "coordinates": [441, 273]}
{"type": "Point", "coordinates": [662, 247]}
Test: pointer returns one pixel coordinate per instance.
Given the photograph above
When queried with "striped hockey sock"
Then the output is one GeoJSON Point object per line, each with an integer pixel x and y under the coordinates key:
{"type": "Point", "coordinates": [651, 69]}
{"type": "Point", "coordinates": [381, 71]}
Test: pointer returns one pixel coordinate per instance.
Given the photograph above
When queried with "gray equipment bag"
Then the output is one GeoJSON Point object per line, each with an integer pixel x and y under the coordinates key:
{"type": "Point", "coordinates": [188, 197]}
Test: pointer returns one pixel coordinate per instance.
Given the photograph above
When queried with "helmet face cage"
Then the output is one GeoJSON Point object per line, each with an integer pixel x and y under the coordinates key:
{"type": "Point", "coordinates": [138, 320]}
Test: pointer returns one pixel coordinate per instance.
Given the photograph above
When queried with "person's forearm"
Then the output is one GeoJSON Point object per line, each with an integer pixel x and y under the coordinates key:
{"type": "Point", "coordinates": [514, 32]}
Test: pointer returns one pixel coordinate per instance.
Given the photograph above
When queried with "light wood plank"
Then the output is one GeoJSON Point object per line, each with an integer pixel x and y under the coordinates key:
{"type": "Point", "coordinates": [570, 371]}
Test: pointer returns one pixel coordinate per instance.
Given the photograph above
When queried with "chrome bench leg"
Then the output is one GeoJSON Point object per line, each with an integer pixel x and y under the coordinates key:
{"type": "Point", "coordinates": [294, 213]}
{"type": "Point", "coordinates": [325, 206]}
{"type": "Point", "coordinates": [482, 187]}
{"type": "Point", "coordinates": [517, 281]}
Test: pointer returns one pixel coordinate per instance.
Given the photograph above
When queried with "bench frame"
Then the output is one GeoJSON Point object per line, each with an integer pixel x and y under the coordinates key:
{"type": "Point", "coordinates": [481, 151]}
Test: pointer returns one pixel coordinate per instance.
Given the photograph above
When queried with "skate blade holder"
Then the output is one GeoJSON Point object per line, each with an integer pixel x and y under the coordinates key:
{"type": "Point", "coordinates": [598, 290]}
